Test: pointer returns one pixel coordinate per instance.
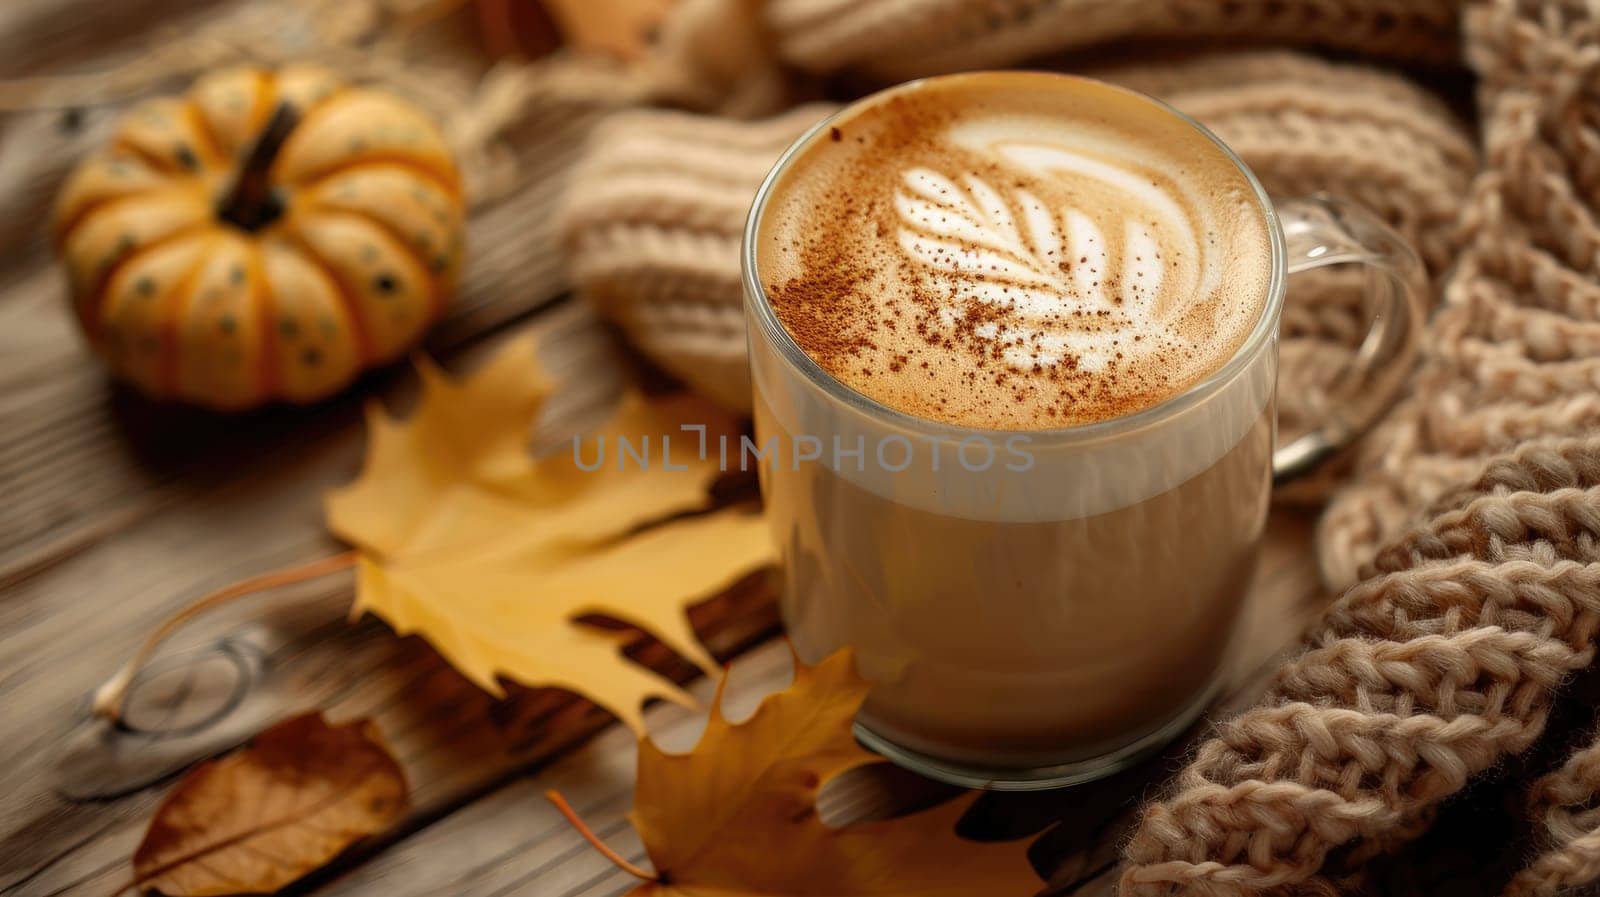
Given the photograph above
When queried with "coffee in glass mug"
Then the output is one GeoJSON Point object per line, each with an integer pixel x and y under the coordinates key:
{"type": "Point", "coordinates": [1013, 342]}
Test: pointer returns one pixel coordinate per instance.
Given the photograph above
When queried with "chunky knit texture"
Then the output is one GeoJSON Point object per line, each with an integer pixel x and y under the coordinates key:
{"type": "Point", "coordinates": [1464, 530]}
{"type": "Point", "coordinates": [897, 39]}
{"type": "Point", "coordinates": [1470, 604]}
{"type": "Point", "coordinates": [653, 224]}
{"type": "Point", "coordinates": [655, 213]}
{"type": "Point", "coordinates": [1513, 353]}
{"type": "Point", "coordinates": [1562, 804]}
{"type": "Point", "coordinates": [1439, 664]}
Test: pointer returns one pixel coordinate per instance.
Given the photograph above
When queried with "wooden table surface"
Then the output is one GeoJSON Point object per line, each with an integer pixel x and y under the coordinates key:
{"type": "Point", "coordinates": [118, 512]}
{"type": "Point", "coordinates": [115, 512]}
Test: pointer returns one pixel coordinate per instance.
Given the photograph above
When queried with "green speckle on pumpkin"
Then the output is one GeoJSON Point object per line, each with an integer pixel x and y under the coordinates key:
{"type": "Point", "coordinates": [329, 326]}
{"type": "Point", "coordinates": [236, 275]}
{"type": "Point", "coordinates": [185, 157]}
{"type": "Point", "coordinates": [311, 357]}
{"type": "Point", "coordinates": [145, 286]}
{"type": "Point", "coordinates": [369, 253]}
{"type": "Point", "coordinates": [288, 328]}
{"type": "Point", "coordinates": [440, 263]}
{"type": "Point", "coordinates": [227, 324]}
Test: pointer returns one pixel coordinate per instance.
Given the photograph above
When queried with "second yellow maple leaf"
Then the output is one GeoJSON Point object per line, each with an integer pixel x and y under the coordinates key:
{"type": "Point", "coordinates": [737, 816]}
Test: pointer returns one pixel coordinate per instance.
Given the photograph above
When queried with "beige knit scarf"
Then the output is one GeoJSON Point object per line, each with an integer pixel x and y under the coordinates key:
{"type": "Point", "coordinates": [1464, 532]}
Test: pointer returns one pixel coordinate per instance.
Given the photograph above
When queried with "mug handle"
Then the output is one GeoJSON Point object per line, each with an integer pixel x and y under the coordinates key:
{"type": "Point", "coordinates": [1324, 230]}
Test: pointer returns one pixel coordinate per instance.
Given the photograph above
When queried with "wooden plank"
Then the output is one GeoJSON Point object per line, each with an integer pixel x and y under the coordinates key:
{"type": "Point", "coordinates": [489, 855]}
{"type": "Point", "coordinates": [512, 842]}
{"type": "Point", "coordinates": [69, 625]}
{"type": "Point", "coordinates": [81, 457]}
{"type": "Point", "coordinates": [117, 511]}
{"type": "Point", "coordinates": [75, 817]}
{"type": "Point", "coordinates": [40, 34]}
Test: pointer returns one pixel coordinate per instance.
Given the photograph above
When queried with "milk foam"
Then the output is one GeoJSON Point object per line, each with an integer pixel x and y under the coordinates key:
{"type": "Point", "coordinates": [1015, 251]}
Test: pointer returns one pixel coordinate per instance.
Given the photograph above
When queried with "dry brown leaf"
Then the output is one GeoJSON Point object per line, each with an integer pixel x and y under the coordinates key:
{"type": "Point", "coordinates": [515, 28]}
{"type": "Point", "coordinates": [736, 817]}
{"type": "Point", "coordinates": [263, 816]}
{"type": "Point", "coordinates": [618, 28]}
{"type": "Point", "coordinates": [491, 555]}
{"type": "Point", "coordinates": [621, 28]}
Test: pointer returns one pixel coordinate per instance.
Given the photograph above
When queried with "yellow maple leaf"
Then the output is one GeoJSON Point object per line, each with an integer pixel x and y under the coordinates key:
{"type": "Point", "coordinates": [736, 817]}
{"type": "Point", "coordinates": [468, 541]}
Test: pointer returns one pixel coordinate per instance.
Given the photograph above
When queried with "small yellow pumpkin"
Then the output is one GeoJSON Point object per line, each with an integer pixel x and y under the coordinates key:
{"type": "Point", "coordinates": [266, 237]}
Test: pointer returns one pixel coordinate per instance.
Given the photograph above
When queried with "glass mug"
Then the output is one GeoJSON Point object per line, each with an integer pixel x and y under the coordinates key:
{"type": "Point", "coordinates": [1037, 608]}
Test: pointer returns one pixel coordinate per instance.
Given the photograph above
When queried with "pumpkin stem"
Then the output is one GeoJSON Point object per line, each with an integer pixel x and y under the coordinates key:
{"type": "Point", "coordinates": [251, 203]}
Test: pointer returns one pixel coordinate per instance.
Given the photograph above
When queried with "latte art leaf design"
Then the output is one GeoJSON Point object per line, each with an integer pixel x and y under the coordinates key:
{"type": "Point", "coordinates": [1073, 284]}
{"type": "Point", "coordinates": [971, 229]}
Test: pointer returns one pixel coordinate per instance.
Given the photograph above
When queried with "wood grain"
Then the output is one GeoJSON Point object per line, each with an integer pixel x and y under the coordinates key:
{"type": "Point", "coordinates": [513, 842]}
{"type": "Point", "coordinates": [231, 674]}
{"type": "Point", "coordinates": [81, 455]}
{"type": "Point", "coordinates": [468, 757]}
{"type": "Point", "coordinates": [247, 499]}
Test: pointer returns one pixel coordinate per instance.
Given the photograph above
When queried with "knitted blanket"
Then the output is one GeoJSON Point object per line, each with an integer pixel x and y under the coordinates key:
{"type": "Point", "coordinates": [1464, 529]}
